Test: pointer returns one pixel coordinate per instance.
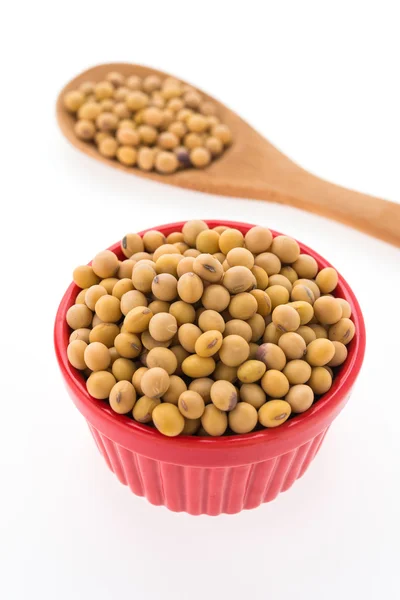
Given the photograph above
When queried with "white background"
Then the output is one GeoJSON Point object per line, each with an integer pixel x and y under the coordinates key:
{"type": "Point", "coordinates": [320, 80]}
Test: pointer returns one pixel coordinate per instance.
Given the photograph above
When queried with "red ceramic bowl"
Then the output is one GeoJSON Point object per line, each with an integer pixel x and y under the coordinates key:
{"type": "Point", "coordinates": [204, 475]}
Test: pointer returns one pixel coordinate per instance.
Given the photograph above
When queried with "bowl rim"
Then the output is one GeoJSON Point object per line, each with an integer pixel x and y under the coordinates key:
{"type": "Point", "coordinates": [303, 426]}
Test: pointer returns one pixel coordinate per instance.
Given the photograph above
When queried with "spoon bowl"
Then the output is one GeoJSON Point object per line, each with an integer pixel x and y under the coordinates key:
{"type": "Point", "coordinates": [250, 168]}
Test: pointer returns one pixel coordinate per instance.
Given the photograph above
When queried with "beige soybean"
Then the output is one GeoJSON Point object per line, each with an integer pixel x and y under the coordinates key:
{"type": "Point", "coordinates": [138, 319]}
{"type": "Point", "coordinates": [183, 312]}
{"type": "Point", "coordinates": [164, 358]}
{"type": "Point", "coordinates": [149, 342]}
{"type": "Point", "coordinates": [269, 262]}
{"type": "Point", "coordinates": [79, 316]}
{"type": "Point", "coordinates": [104, 333]}
{"type": "Point", "coordinates": [327, 310]}
{"type": "Point", "coordinates": [304, 309]}
{"type": "Point", "coordinates": [191, 404]}
{"type": "Point", "coordinates": [224, 373]}
{"type": "Point", "coordinates": [185, 265]}
{"type": "Point", "coordinates": [289, 273]}
{"type": "Point", "coordinates": [100, 384]}
{"type": "Point", "coordinates": [198, 366]}
{"type": "Point", "coordinates": [243, 418]}
{"type": "Point", "coordinates": [230, 238]}
{"type": "Point", "coordinates": [191, 426]}
{"type": "Point", "coordinates": [214, 421]}
{"type": "Point", "coordinates": [238, 279]}
{"type": "Point", "coordinates": [278, 295]}
{"type": "Point", "coordinates": [96, 320]}
{"type": "Point", "coordinates": [75, 353]}
{"type": "Point", "coordinates": [300, 397]}
{"type": "Point", "coordinates": [113, 355]}
{"type": "Point", "coordinates": [168, 263]}
{"type": "Point", "coordinates": [176, 387]}
{"type": "Point", "coordinates": [327, 280]}
{"type": "Point", "coordinates": [137, 379]}
{"type": "Point", "coordinates": [258, 239]}
{"type": "Point", "coordinates": [211, 320]}
{"type": "Point", "coordinates": [123, 369]}
{"type": "Point", "coordinates": [208, 344]}
{"type": "Point", "coordinates": [208, 241]}
{"type": "Point", "coordinates": [251, 371]}
{"type": "Point", "coordinates": [188, 334]}
{"type": "Point", "coordinates": [279, 279]}
{"type": "Point", "coordinates": [238, 327]}
{"type": "Point", "coordinates": [312, 287]}
{"type": "Point", "coordinates": [320, 352]}
{"type": "Point", "coordinates": [340, 355]}
{"type": "Point", "coordinates": [94, 293]}
{"type": "Point", "coordinates": [208, 268]}
{"type": "Point", "coordinates": [108, 284]}
{"type": "Point", "coordinates": [143, 409]}
{"type": "Point", "coordinates": [122, 287]}
{"type": "Point", "coordinates": [191, 230]}
{"type": "Point", "coordinates": [131, 300]}
{"type": "Point", "coordinates": [224, 395]}
{"type": "Point", "coordinates": [253, 394]}
{"type": "Point", "coordinates": [319, 330]}
{"type": "Point", "coordinates": [297, 371]}
{"type": "Point", "coordinates": [215, 297]}
{"type": "Point", "coordinates": [234, 351]}
{"type": "Point", "coordinates": [293, 345]}
{"type": "Point", "coordinates": [285, 248]}
{"type": "Point", "coordinates": [274, 412]}
{"type": "Point", "coordinates": [97, 356]}
{"type": "Point", "coordinates": [163, 327]}
{"type": "Point", "coordinates": [142, 277]}
{"type": "Point", "coordinates": [272, 334]}
{"type": "Point", "coordinates": [80, 334]}
{"type": "Point", "coordinates": [286, 318]}
{"type": "Point", "coordinates": [261, 277]}
{"type": "Point", "coordinates": [275, 384]}
{"type": "Point", "coordinates": [302, 293]}
{"type": "Point", "coordinates": [257, 325]}
{"type": "Point", "coordinates": [163, 250]}
{"type": "Point", "coordinates": [108, 309]}
{"type": "Point", "coordinates": [155, 382]}
{"type": "Point", "coordinates": [240, 257]}
{"type": "Point", "coordinates": [202, 386]}
{"type": "Point", "coordinates": [153, 239]}
{"type": "Point", "coordinates": [158, 306]}
{"type": "Point", "coordinates": [264, 305]}
{"type": "Point", "coordinates": [80, 299]}
{"type": "Point", "coordinates": [243, 306]}
{"type": "Point", "coordinates": [105, 264]}
{"type": "Point", "coordinates": [190, 287]}
{"type": "Point", "coordinates": [128, 345]}
{"type": "Point", "coordinates": [305, 266]}
{"type": "Point", "coordinates": [164, 287]}
{"type": "Point", "coordinates": [320, 380]}
{"type": "Point", "coordinates": [343, 331]}
{"type": "Point", "coordinates": [84, 276]}
{"type": "Point", "coordinates": [346, 308]}
{"type": "Point", "coordinates": [192, 252]}
{"type": "Point", "coordinates": [122, 397]}
{"type": "Point", "coordinates": [306, 333]}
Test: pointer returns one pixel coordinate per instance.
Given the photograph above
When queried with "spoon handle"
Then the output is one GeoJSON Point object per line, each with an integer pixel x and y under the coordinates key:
{"type": "Point", "coordinates": [295, 187]}
{"type": "Point", "coordinates": [374, 216]}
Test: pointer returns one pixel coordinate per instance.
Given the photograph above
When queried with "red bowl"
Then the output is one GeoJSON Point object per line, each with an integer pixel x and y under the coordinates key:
{"type": "Point", "coordinates": [205, 475]}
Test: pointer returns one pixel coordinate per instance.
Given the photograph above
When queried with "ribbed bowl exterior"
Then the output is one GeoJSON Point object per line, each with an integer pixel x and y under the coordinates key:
{"type": "Point", "coordinates": [210, 491]}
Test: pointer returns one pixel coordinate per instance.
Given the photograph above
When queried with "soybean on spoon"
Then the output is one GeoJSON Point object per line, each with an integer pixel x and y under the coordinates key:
{"type": "Point", "coordinates": [252, 168]}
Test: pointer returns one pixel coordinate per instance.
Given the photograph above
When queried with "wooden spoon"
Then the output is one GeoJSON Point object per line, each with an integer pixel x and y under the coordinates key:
{"type": "Point", "coordinates": [252, 168]}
